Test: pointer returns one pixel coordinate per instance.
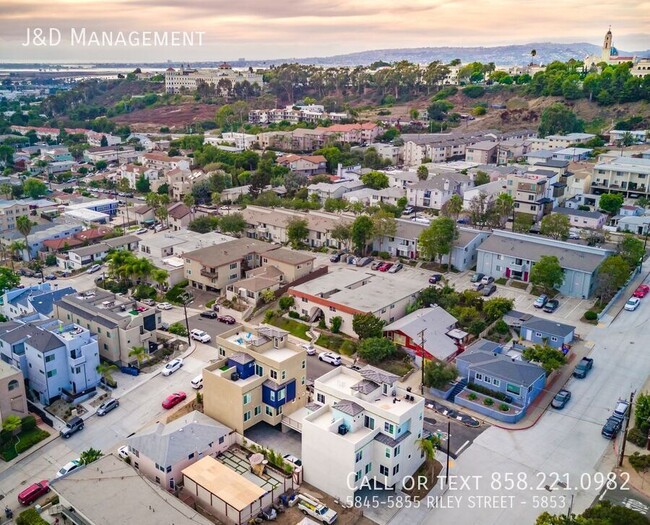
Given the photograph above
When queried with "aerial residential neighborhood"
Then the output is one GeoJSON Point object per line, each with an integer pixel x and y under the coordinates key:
{"type": "Point", "coordinates": [392, 280]}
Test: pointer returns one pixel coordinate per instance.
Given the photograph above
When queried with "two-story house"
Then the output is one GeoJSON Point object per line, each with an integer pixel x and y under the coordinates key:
{"type": "Point", "coordinates": [434, 192]}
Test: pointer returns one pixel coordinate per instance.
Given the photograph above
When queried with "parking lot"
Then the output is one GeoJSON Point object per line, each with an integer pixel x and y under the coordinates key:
{"type": "Point", "coordinates": [571, 309]}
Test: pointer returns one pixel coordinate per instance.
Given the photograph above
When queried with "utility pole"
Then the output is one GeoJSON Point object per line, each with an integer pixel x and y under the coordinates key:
{"type": "Point", "coordinates": [627, 424]}
{"type": "Point", "coordinates": [448, 447]}
{"type": "Point", "coordinates": [422, 341]}
{"type": "Point", "coordinates": [187, 298]}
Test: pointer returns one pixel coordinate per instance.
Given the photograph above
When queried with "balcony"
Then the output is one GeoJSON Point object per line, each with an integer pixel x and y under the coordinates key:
{"type": "Point", "coordinates": [76, 359]}
{"type": "Point", "coordinates": [210, 274]}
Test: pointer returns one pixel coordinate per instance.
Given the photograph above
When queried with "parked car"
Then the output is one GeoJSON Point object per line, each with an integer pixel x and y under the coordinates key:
{"type": "Point", "coordinates": [632, 304]}
{"type": "Point", "coordinates": [148, 302]}
{"type": "Point", "coordinates": [487, 279]}
{"type": "Point", "coordinates": [292, 459]}
{"type": "Point", "coordinates": [130, 370]}
{"type": "Point", "coordinates": [385, 267]}
{"type": "Point", "coordinates": [228, 319]}
{"type": "Point", "coordinates": [71, 466]}
{"type": "Point", "coordinates": [309, 348]}
{"type": "Point", "coordinates": [197, 382]}
{"type": "Point", "coordinates": [641, 291]}
{"type": "Point", "coordinates": [330, 357]}
{"type": "Point", "coordinates": [174, 399]}
{"type": "Point", "coordinates": [489, 289]}
{"type": "Point", "coordinates": [435, 278]}
{"type": "Point", "coordinates": [33, 492]}
{"type": "Point", "coordinates": [107, 406]}
{"type": "Point", "coordinates": [352, 259]}
{"type": "Point", "coordinates": [50, 277]}
{"type": "Point", "coordinates": [408, 210]}
{"type": "Point", "coordinates": [94, 268]}
{"type": "Point", "coordinates": [165, 306]}
{"type": "Point", "coordinates": [551, 306]}
{"type": "Point", "coordinates": [561, 399]}
{"type": "Point", "coordinates": [478, 286]}
{"type": "Point", "coordinates": [209, 314]}
{"type": "Point", "coordinates": [123, 451]}
{"type": "Point", "coordinates": [611, 427]}
{"type": "Point", "coordinates": [541, 301]}
{"type": "Point", "coordinates": [396, 268]}
{"type": "Point", "coordinates": [172, 366]}
{"type": "Point", "coordinates": [140, 231]}
{"type": "Point", "coordinates": [583, 368]}
{"type": "Point", "coordinates": [476, 278]}
{"type": "Point", "coordinates": [74, 425]}
{"type": "Point", "coordinates": [200, 335]}
{"type": "Point", "coordinates": [337, 257]}
{"type": "Point", "coordinates": [364, 261]}
{"type": "Point", "coordinates": [376, 265]}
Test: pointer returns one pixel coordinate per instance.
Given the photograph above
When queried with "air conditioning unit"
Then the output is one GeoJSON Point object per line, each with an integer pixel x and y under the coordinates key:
{"type": "Point", "coordinates": [343, 430]}
{"type": "Point", "coordinates": [234, 376]}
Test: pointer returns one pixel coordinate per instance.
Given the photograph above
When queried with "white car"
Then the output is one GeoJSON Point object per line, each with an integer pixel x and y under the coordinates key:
{"type": "Point", "coordinates": [68, 467]}
{"type": "Point", "coordinates": [94, 268]}
{"type": "Point", "coordinates": [123, 451]}
{"type": "Point", "coordinates": [309, 348]}
{"type": "Point", "coordinates": [632, 304]}
{"type": "Point", "coordinates": [330, 357]}
{"type": "Point", "coordinates": [172, 366]}
{"type": "Point", "coordinates": [141, 231]}
{"type": "Point", "coordinates": [200, 335]}
{"type": "Point", "coordinates": [165, 306]}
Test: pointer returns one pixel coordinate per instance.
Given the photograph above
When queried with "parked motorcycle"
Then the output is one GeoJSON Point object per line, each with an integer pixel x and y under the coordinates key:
{"type": "Point", "coordinates": [9, 513]}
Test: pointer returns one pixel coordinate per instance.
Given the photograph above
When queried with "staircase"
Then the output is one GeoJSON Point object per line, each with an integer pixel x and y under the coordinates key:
{"type": "Point", "coordinates": [457, 389]}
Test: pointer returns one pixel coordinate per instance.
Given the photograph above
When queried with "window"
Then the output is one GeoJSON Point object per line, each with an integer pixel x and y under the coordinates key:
{"type": "Point", "coordinates": [168, 469]}
{"type": "Point", "coordinates": [387, 452]}
{"type": "Point", "coordinates": [478, 377]}
{"type": "Point", "coordinates": [395, 469]}
{"type": "Point", "coordinates": [272, 395]}
{"type": "Point", "coordinates": [359, 456]}
{"type": "Point", "coordinates": [513, 389]}
{"type": "Point", "coordinates": [320, 398]}
{"type": "Point", "coordinates": [268, 410]}
{"type": "Point", "coordinates": [13, 385]}
{"type": "Point", "coordinates": [49, 358]}
{"type": "Point", "coordinates": [369, 422]}
{"type": "Point", "coordinates": [368, 468]}
{"type": "Point", "coordinates": [259, 370]}
{"type": "Point", "coordinates": [498, 268]}
{"type": "Point", "coordinates": [233, 266]}
{"type": "Point", "coordinates": [247, 416]}
{"type": "Point", "coordinates": [221, 440]}
{"type": "Point", "coordinates": [554, 339]}
{"type": "Point", "coordinates": [157, 480]}
{"type": "Point", "coordinates": [388, 427]}
{"type": "Point", "coordinates": [383, 470]}
{"type": "Point", "coordinates": [258, 410]}
{"type": "Point", "coordinates": [51, 373]}
{"type": "Point", "coordinates": [538, 334]}
{"type": "Point", "coordinates": [247, 398]}
{"type": "Point", "coordinates": [284, 375]}
{"type": "Point", "coordinates": [357, 475]}
{"type": "Point", "coordinates": [222, 353]}
{"type": "Point", "coordinates": [496, 382]}
{"type": "Point", "coordinates": [274, 374]}
{"type": "Point", "coordinates": [281, 394]}
{"type": "Point", "coordinates": [397, 451]}
{"type": "Point", "coordinates": [303, 365]}
{"type": "Point", "coordinates": [190, 456]}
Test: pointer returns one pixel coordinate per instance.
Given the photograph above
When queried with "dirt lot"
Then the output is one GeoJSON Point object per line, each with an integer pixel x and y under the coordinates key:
{"type": "Point", "coordinates": [177, 116]}
{"type": "Point", "coordinates": [346, 516]}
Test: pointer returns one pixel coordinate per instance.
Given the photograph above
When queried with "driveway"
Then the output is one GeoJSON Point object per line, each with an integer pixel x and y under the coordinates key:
{"type": "Point", "coordinates": [211, 326]}
{"type": "Point", "coordinates": [270, 437]}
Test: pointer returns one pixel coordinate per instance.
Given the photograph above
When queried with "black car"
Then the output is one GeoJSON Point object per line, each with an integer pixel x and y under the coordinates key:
{"type": "Point", "coordinates": [50, 277]}
{"type": "Point", "coordinates": [561, 399]}
{"type": "Point", "coordinates": [209, 314]}
{"type": "Point", "coordinates": [337, 257]}
{"type": "Point", "coordinates": [107, 406]}
{"type": "Point", "coordinates": [435, 278]}
{"type": "Point", "coordinates": [476, 278]}
{"type": "Point", "coordinates": [551, 306]}
{"type": "Point", "coordinates": [73, 426]}
{"type": "Point", "coordinates": [612, 427]}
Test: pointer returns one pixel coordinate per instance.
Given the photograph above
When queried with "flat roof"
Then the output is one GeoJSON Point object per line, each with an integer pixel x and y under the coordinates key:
{"type": "Point", "coordinates": [224, 483]}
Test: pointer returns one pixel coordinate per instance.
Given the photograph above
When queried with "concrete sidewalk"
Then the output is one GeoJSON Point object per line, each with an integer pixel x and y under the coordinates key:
{"type": "Point", "coordinates": [617, 307]}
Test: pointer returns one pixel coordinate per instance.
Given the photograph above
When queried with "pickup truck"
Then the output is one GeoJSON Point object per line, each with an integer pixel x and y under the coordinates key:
{"type": "Point", "coordinates": [583, 367]}
{"type": "Point", "coordinates": [310, 505]}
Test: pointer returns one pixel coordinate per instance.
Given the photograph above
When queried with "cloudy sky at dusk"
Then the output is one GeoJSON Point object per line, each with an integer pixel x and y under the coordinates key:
{"type": "Point", "coordinates": [259, 29]}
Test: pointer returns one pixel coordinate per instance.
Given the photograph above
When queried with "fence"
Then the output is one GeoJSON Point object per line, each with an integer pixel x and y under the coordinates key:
{"type": "Point", "coordinates": [41, 413]}
{"type": "Point", "coordinates": [618, 294]}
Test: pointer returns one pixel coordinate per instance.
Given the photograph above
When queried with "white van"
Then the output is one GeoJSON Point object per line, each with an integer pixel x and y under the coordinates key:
{"type": "Point", "coordinates": [197, 382]}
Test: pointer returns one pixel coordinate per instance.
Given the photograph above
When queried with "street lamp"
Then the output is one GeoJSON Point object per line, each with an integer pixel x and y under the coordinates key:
{"type": "Point", "coordinates": [186, 298]}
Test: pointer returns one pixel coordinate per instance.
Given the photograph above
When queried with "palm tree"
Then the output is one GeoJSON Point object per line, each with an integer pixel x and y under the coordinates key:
{"type": "Point", "coordinates": [423, 172]}
{"type": "Point", "coordinates": [160, 276]}
{"type": "Point", "coordinates": [152, 199]}
{"type": "Point", "coordinates": [5, 189]}
{"type": "Point", "coordinates": [16, 247]}
{"type": "Point", "coordinates": [105, 370]}
{"type": "Point", "coordinates": [139, 353]}
{"type": "Point", "coordinates": [453, 206]}
{"type": "Point", "coordinates": [24, 226]}
{"type": "Point", "coordinates": [533, 54]}
{"type": "Point", "coordinates": [89, 456]}
{"type": "Point", "coordinates": [190, 201]}
{"type": "Point", "coordinates": [162, 214]}
{"type": "Point", "coordinates": [626, 141]}
{"type": "Point", "coordinates": [428, 448]}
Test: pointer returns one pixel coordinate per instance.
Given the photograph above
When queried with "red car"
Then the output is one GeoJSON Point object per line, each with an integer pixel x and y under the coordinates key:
{"type": "Point", "coordinates": [228, 319]}
{"type": "Point", "coordinates": [385, 267]}
{"type": "Point", "coordinates": [174, 399]}
{"type": "Point", "coordinates": [33, 492]}
{"type": "Point", "coordinates": [641, 291]}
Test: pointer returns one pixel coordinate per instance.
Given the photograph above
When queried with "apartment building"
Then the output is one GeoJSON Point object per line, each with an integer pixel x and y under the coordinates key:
{"type": "Point", "coordinates": [260, 376]}
{"type": "Point", "coordinates": [119, 154]}
{"type": "Point", "coordinates": [132, 173]}
{"type": "Point", "coordinates": [35, 299]}
{"type": "Point", "coordinates": [77, 258]}
{"type": "Point", "coordinates": [40, 234]}
{"type": "Point", "coordinates": [241, 141]}
{"type": "Point", "coordinates": [108, 206]}
{"type": "Point", "coordinates": [307, 165]}
{"type": "Point", "coordinates": [539, 190]}
{"type": "Point", "coordinates": [56, 358]}
{"type": "Point", "coordinates": [512, 255]}
{"type": "Point", "coordinates": [13, 398]}
{"type": "Point", "coordinates": [344, 293]}
{"type": "Point", "coordinates": [512, 150]}
{"type": "Point", "coordinates": [312, 113]}
{"type": "Point", "coordinates": [334, 190]}
{"type": "Point", "coordinates": [361, 430]}
{"type": "Point", "coordinates": [214, 267]}
{"type": "Point", "coordinates": [564, 141]}
{"type": "Point", "coordinates": [491, 189]}
{"type": "Point", "coordinates": [483, 152]}
{"type": "Point", "coordinates": [434, 192]}
{"type": "Point", "coordinates": [10, 210]}
{"type": "Point", "coordinates": [222, 79]}
{"type": "Point", "coordinates": [181, 181]}
{"type": "Point", "coordinates": [583, 219]}
{"type": "Point", "coordinates": [625, 175]}
{"type": "Point", "coordinates": [119, 322]}
{"type": "Point", "coordinates": [95, 139]}
{"type": "Point", "coordinates": [162, 161]}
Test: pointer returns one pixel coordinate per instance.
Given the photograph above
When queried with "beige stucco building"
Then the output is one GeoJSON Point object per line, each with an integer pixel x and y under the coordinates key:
{"type": "Point", "coordinates": [13, 401]}
{"type": "Point", "coordinates": [260, 376]}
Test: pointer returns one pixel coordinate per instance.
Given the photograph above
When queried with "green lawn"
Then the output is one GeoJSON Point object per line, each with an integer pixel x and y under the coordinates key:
{"type": "Point", "coordinates": [33, 436]}
{"type": "Point", "coordinates": [292, 326]}
{"type": "Point", "coordinates": [337, 344]}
